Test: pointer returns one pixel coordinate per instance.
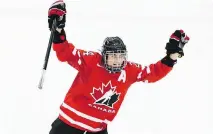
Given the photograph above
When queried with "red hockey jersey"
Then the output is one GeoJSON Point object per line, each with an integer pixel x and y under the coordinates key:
{"type": "Point", "coordinates": [96, 95]}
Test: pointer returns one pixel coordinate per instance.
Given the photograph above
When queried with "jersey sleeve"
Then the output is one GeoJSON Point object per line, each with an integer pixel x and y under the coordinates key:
{"type": "Point", "coordinates": [77, 58]}
{"type": "Point", "coordinates": [151, 73]}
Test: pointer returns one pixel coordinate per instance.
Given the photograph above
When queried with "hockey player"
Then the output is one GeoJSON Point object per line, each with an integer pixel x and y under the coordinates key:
{"type": "Point", "coordinates": [103, 79]}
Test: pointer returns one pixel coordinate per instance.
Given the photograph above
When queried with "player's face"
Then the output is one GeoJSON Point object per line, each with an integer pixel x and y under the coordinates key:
{"type": "Point", "coordinates": [116, 59]}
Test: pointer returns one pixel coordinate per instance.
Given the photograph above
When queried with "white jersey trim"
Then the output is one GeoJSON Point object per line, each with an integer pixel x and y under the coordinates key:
{"type": "Point", "coordinates": [84, 115]}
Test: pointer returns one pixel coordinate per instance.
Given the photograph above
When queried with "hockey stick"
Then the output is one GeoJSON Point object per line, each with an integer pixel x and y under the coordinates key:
{"type": "Point", "coordinates": [40, 86]}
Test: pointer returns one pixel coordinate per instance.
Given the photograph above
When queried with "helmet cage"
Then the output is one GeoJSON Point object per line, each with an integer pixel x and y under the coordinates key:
{"type": "Point", "coordinates": [122, 57]}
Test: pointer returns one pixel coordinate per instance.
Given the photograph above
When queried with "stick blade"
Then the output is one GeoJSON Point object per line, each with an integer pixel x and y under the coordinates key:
{"type": "Point", "coordinates": [40, 85]}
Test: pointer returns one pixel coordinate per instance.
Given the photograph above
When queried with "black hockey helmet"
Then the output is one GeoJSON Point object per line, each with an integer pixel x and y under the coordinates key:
{"type": "Point", "coordinates": [114, 45]}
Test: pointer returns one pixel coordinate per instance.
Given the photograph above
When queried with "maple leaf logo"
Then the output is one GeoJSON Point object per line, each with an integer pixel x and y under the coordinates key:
{"type": "Point", "coordinates": [106, 95]}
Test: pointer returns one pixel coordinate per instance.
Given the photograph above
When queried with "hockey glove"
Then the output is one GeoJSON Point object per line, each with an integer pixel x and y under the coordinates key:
{"type": "Point", "coordinates": [176, 43]}
{"type": "Point", "coordinates": [57, 11]}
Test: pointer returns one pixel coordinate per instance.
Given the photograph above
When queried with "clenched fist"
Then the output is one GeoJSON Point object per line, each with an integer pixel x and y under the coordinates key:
{"type": "Point", "coordinates": [57, 11]}
{"type": "Point", "coordinates": [176, 43]}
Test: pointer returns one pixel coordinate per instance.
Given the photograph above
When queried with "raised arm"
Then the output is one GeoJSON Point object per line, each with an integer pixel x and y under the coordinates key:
{"type": "Point", "coordinates": [66, 51]}
{"type": "Point", "coordinates": [156, 71]}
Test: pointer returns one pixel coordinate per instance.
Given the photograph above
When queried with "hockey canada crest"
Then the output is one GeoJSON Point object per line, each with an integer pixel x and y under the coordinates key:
{"type": "Point", "coordinates": [105, 95]}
